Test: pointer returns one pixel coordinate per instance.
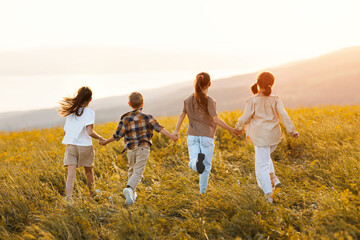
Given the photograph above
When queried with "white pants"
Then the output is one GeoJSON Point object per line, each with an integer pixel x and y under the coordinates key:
{"type": "Point", "coordinates": [263, 167]}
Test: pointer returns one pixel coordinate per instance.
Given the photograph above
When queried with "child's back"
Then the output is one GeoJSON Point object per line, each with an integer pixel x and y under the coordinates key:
{"type": "Point", "coordinates": [75, 128]}
{"type": "Point", "coordinates": [137, 129]}
{"type": "Point", "coordinates": [78, 131]}
{"type": "Point", "coordinates": [262, 117]}
{"type": "Point", "coordinates": [262, 114]}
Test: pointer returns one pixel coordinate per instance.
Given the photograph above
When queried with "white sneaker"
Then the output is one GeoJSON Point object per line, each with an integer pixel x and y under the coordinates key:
{"type": "Point", "coordinates": [129, 195]}
{"type": "Point", "coordinates": [269, 198]}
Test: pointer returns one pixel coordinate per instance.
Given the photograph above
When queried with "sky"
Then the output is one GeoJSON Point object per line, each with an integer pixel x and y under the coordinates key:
{"type": "Point", "coordinates": [265, 33]}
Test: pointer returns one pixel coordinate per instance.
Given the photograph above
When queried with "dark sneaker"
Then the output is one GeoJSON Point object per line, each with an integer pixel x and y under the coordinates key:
{"type": "Point", "coordinates": [200, 167]}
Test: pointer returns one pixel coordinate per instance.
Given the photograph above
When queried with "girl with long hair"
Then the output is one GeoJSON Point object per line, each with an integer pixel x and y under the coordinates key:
{"type": "Point", "coordinates": [203, 120]}
{"type": "Point", "coordinates": [78, 131]}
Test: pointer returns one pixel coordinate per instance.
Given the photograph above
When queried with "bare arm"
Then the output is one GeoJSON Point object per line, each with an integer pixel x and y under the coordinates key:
{"type": "Point", "coordinates": [222, 124]}
{"type": "Point", "coordinates": [106, 141]}
{"type": "Point", "coordinates": [90, 131]}
{"type": "Point", "coordinates": [180, 121]}
{"type": "Point", "coordinates": [166, 133]}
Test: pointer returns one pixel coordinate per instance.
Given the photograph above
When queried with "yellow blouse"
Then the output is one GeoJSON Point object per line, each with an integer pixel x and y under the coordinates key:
{"type": "Point", "coordinates": [262, 117]}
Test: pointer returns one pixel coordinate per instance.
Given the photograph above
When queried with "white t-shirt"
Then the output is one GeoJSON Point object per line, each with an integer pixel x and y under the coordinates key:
{"type": "Point", "coordinates": [75, 128]}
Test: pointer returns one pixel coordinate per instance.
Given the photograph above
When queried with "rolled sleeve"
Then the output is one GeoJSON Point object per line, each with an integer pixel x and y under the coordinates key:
{"type": "Point", "coordinates": [154, 124]}
{"type": "Point", "coordinates": [120, 131]}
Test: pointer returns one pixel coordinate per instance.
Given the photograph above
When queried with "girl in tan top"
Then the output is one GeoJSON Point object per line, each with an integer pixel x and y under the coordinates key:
{"type": "Point", "coordinates": [262, 117]}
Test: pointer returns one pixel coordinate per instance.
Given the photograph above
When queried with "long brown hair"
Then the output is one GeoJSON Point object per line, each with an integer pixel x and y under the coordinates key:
{"type": "Point", "coordinates": [76, 104]}
{"type": "Point", "coordinates": [265, 81]}
{"type": "Point", "coordinates": [201, 83]}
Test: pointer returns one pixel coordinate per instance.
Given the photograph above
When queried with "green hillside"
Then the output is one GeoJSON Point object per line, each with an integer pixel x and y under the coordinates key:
{"type": "Point", "coordinates": [320, 197]}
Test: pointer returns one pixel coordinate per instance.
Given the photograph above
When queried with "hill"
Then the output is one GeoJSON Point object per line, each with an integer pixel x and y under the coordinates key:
{"type": "Point", "coordinates": [326, 80]}
{"type": "Point", "coordinates": [320, 197]}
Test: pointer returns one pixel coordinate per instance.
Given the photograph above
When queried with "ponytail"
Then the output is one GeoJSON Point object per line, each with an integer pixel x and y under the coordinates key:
{"type": "Point", "coordinates": [254, 88]}
{"type": "Point", "coordinates": [201, 83]}
{"type": "Point", "coordinates": [76, 104]}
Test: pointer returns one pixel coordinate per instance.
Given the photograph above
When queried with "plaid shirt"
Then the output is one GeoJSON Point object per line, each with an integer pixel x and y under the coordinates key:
{"type": "Point", "coordinates": [137, 129]}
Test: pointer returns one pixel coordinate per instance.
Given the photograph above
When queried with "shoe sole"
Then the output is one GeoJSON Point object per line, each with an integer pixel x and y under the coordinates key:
{"type": "Point", "coordinates": [129, 200]}
{"type": "Point", "coordinates": [200, 167]}
{"type": "Point", "coordinates": [278, 185]}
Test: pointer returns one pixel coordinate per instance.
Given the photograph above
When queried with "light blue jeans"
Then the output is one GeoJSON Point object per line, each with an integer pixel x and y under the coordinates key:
{"type": "Point", "coordinates": [204, 145]}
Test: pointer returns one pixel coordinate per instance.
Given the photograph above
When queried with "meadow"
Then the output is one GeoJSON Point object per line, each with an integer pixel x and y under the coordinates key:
{"type": "Point", "coordinates": [319, 198]}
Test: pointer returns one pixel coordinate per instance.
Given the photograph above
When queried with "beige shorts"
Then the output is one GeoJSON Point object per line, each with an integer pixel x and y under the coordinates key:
{"type": "Point", "coordinates": [79, 155]}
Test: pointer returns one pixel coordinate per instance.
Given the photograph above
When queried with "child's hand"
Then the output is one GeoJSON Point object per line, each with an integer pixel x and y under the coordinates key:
{"type": "Point", "coordinates": [102, 142]}
{"type": "Point", "coordinates": [174, 137]}
{"type": "Point", "coordinates": [236, 132]}
{"type": "Point", "coordinates": [295, 134]}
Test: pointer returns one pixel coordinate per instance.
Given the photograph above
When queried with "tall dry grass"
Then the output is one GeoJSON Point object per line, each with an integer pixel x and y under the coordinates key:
{"type": "Point", "coordinates": [319, 199]}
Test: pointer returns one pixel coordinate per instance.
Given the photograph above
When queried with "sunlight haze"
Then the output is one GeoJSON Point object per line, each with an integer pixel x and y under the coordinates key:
{"type": "Point", "coordinates": [238, 37]}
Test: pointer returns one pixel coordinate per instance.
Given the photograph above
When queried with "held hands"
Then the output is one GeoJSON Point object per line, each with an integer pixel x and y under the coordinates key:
{"type": "Point", "coordinates": [175, 136]}
{"type": "Point", "coordinates": [102, 142]}
{"type": "Point", "coordinates": [236, 132]}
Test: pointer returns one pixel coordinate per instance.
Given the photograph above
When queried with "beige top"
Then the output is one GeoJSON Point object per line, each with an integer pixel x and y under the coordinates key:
{"type": "Point", "coordinates": [200, 121]}
{"type": "Point", "coordinates": [262, 117]}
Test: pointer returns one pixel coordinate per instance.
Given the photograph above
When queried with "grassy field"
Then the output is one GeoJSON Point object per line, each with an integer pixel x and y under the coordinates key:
{"type": "Point", "coordinates": [320, 197]}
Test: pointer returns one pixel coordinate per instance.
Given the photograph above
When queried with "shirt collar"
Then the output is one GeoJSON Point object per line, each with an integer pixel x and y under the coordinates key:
{"type": "Point", "coordinates": [137, 110]}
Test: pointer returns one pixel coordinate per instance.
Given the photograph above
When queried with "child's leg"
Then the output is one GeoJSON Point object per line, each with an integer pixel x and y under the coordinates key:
{"type": "Point", "coordinates": [71, 162]}
{"type": "Point", "coordinates": [90, 179]}
{"type": "Point", "coordinates": [193, 143]}
{"type": "Point", "coordinates": [274, 180]}
{"type": "Point", "coordinates": [131, 156]}
{"type": "Point", "coordinates": [207, 148]}
{"type": "Point", "coordinates": [262, 168]}
{"type": "Point", "coordinates": [86, 157]}
{"type": "Point", "coordinates": [272, 170]}
{"type": "Point", "coordinates": [70, 179]}
{"type": "Point", "coordinates": [129, 191]}
{"type": "Point", "coordinates": [142, 155]}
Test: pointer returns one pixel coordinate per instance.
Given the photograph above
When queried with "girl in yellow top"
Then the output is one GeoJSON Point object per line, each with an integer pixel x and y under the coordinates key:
{"type": "Point", "coordinates": [262, 117]}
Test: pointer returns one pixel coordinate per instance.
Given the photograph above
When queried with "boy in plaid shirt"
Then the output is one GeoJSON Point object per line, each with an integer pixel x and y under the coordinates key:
{"type": "Point", "coordinates": [137, 129]}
